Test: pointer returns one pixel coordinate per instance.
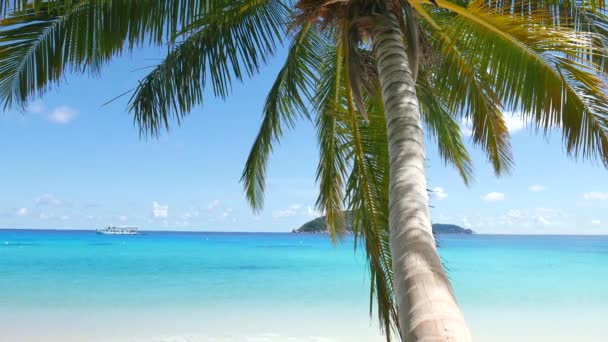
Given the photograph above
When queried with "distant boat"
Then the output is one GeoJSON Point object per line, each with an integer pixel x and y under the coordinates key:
{"type": "Point", "coordinates": [122, 230]}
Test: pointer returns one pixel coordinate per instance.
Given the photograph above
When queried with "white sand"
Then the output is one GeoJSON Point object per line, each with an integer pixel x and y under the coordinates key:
{"type": "Point", "coordinates": [264, 326]}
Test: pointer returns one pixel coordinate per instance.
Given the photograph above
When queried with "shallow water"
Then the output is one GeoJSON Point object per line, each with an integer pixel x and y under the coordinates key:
{"type": "Point", "coordinates": [78, 286]}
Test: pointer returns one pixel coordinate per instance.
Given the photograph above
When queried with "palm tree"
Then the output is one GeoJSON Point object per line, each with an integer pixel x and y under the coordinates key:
{"type": "Point", "coordinates": [370, 73]}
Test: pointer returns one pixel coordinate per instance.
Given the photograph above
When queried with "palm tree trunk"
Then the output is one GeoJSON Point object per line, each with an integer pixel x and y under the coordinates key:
{"type": "Point", "coordinates": [427, 308]}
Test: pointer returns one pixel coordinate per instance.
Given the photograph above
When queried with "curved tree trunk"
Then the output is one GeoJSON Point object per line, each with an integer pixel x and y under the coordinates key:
{"type": "Point", "coordinates": [427, 308]}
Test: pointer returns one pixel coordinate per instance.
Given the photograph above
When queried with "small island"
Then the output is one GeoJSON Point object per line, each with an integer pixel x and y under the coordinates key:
{"type": "Point", "coordinates": [317, 226]}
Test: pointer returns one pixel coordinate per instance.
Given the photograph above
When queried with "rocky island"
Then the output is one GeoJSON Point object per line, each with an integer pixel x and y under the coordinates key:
{"type": "Point", "coordinates": [318, 226]}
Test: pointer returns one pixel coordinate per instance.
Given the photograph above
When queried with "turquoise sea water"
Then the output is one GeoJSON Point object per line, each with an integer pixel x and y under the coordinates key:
{"type": "Point", "coordinates": [78, 286]}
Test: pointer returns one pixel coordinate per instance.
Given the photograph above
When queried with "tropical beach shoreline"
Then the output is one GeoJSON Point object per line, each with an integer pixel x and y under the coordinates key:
{"type": "Point", "coordinates": [200, 327]}
{"type": "Point", "coordinates": [189, 287]}
{"type": "Point", "coordinates": [262, 324]}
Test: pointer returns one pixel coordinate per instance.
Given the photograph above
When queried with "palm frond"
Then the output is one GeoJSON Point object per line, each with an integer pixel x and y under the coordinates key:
{"type": "Point", "coordinates": [41, 40]}
{"type": "Point", "coordinates": [580, 15]}
{"type": "Point", "coordinates": [285, 103]}
{"type": "Point", "coordinates": [545, 72]}
{"type": "Point", "coordinates": [467, 90]}
{"type": "Point", "coordinates": [332, 168]}
{"type": "Point", "coordinates": [367, 198]}
{"type": "Point", "coordinates": [442, 125]}
{"type": "Point", "coordinates": [231, 45]}
{"type": "Point", "coordinates": [351, 145]}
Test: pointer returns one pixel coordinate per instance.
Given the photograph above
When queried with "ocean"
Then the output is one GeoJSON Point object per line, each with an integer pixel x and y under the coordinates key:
{"type": "Point", "coordinates": [186, 287]}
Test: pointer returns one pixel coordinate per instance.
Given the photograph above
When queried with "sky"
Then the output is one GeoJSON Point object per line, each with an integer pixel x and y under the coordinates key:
{"type": "Point", "coordinates": [71, 162]}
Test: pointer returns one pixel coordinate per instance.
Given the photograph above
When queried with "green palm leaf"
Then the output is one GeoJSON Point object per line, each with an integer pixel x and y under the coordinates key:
{"type": "Point", "coordinates": [233, 41]}
{"type": "Point", "coordinates": [465, 89]}
{"type": "Point", "coordinates": [531, 70]}
{"type": "Point", "coordinates": [286, 102]}
{"type": "Point", "coordinates": [367, 198]}
{"type": "Point", "coordinates": [333, 159]}
{"type": "Point", "coordinates": [41, 40]}
{"type": "Point", "coordinates": [442, 125]}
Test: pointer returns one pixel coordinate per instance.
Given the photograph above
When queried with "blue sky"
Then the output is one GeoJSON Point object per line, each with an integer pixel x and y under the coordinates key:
{"type": "Point", "coordinates": [71, 163]}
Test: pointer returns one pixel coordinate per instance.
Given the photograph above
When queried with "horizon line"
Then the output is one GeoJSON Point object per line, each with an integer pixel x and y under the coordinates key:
{"type": "Point", "coordinates": [273, 232]}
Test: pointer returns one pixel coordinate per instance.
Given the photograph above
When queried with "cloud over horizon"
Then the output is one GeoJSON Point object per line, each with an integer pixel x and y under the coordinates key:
{"type": "Point", "coordinates": [596, 196]}
{"type": "Point", "coordinates": [536, 188]}
{"type": "Point", "coordinates": [213, 204]}
{"type": "Point", "coordinates": [493, 196]}
{"type": "Point", "coordinates": [292, 210]}
{"type": "Point", "coordinates": [63, 115]}
{"type": "Point", "coordinates": [22, 212]}
{"type": "Point", "coordinates": [438, 193]}
{"type": "Point", "coordinates": [48, 199]}
{"type": "Point", "coordinates": [159, 211]}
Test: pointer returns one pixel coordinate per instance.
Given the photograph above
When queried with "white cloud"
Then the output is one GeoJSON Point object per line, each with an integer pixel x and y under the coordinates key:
{"type": "Point", "coordinates": [438, 193]}
{"type": "Point", "coordinates": [190, 214]}
{"type": "Point", "coordinates": [159, 210]}
{"type": "Point", "coordinates": [123, 218]}
{"type": "Point", "coordinates": [515, 214]}
{"type": "Point", "coordinates": [22, 212]}
{"type": "Point", "coordinates": [466, 127]}
{"type": "Point", "coordinates": [514, 122]}
{"type": "Point", "coordinates": [542, 220]}
{"type": "Point", "coordinates": [226, 213]}
{"type": "Point", "coordinates": [596, 196]}
{"type": "Point", "coordinates": [493, 197]}
{"type": "Point", "coordinates": [213, 204]}
{"type": "Point", "coordinates": [64, 218]}
{"type": "Point", "coordinates": [536, 188]}
{"type": "Point", "coordinates": [291, 211]}
{"type": "Point", "coordinates": [36, 107]}
{"type": "Point", "coordinates": [48, 199]}
{"type": "Point", "coordinates": [63, 115]}
{"type": "Point", "coordinates": [538, 220]}
{"type": "Point", "coordinates": [596, 222]}
{"type": "Point", "coordinates": [313, 212]}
